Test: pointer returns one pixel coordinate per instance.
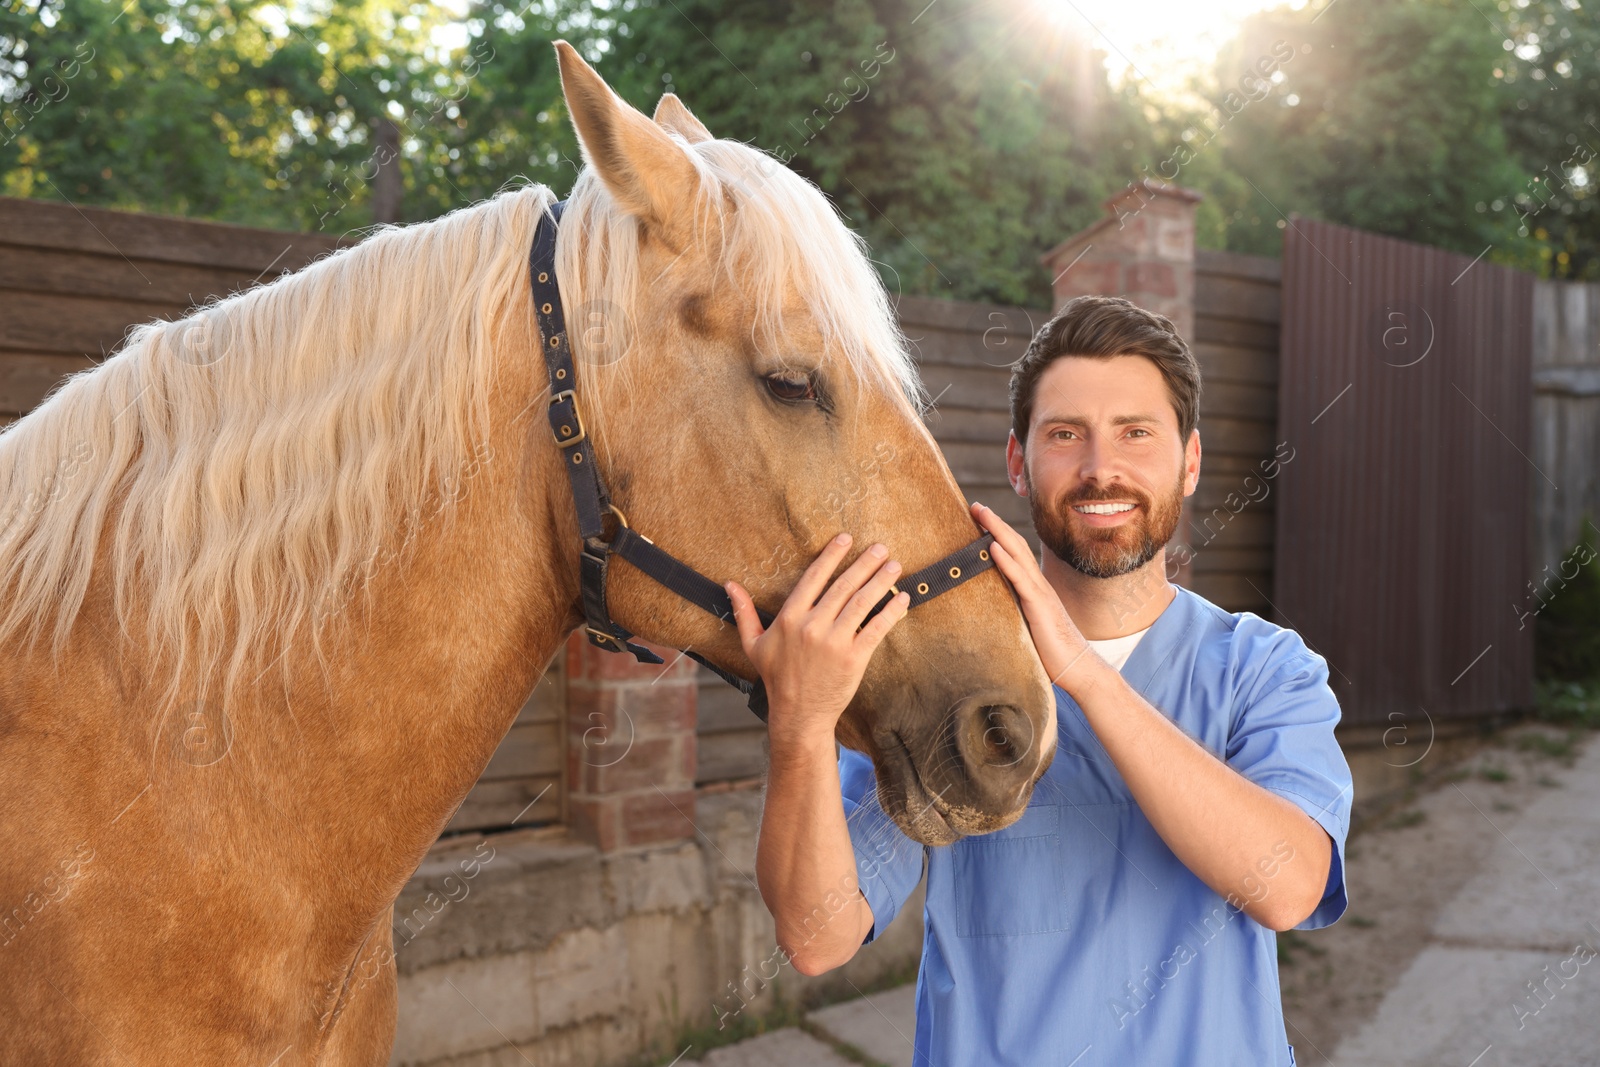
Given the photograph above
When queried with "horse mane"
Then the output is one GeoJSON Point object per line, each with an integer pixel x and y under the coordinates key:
{"type": "Point", "coordinates": [242, 468]}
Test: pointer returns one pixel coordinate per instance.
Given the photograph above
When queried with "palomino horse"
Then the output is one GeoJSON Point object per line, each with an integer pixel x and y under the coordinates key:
{"type": "Point", "coordinates": [326, 519]}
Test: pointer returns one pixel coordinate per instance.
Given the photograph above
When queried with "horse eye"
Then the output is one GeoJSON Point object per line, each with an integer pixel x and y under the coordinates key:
{"type": "Point", "coordinates": [790, 390]}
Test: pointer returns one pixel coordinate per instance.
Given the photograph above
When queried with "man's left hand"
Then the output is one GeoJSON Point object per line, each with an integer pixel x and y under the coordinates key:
{"type": "Point", "coordinates": [1055, 636]}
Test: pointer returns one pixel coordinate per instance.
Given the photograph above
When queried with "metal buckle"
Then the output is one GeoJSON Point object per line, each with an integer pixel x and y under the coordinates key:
{"type": "Point", "coordinates": [568, 442]}
{"type": "Point", "coordinates": [605, 640]}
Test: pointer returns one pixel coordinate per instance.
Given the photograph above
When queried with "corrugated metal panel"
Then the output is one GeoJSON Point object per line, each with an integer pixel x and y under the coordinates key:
{"type": "Point", "coordinates": [1402, 520]}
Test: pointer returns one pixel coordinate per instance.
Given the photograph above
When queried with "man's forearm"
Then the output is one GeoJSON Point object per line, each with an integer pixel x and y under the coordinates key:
{"type": "Point", "coordinates": [1248, 844]}
{"type": "Point", "coordinates": [805, 865]}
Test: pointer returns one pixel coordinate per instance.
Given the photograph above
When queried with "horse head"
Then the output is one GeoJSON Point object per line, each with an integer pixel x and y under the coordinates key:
{"type": "Point", "coordinates": [749, 396]}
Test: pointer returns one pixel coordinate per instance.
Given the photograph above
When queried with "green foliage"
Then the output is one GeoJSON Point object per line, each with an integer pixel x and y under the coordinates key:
{"type": "Point", "coordinates": [1567, 596]}
{"type": "Point", "coordinates": [1386, 119]}
{"type": "Point", "coordinates": [214, 110]}
{"type": "Point", "coordinates": [1551, 114]}
{"type": "Point", "coordinates": [962, 145]}
{"type": "Point", "coordinates": [1572, 703]}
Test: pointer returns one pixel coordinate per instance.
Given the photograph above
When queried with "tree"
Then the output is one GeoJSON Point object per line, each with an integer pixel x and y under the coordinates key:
{"type": "Point", "coordinates": [229, 111]}
{"type": "Point", "coordinates": [1388, 118]}
{"type": "Point", "coordinates": [963, 139]}
{"type": "Point", "coordinates": [1551, 113]}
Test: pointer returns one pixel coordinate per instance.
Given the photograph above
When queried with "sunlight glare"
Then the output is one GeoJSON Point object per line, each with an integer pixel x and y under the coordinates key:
{"type": "Point", "coordinates": [1161, 42]}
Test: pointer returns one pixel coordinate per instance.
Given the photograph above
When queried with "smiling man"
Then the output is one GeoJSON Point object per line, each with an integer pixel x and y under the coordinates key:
{"type": "Point", "coordinates": [1197, 803]}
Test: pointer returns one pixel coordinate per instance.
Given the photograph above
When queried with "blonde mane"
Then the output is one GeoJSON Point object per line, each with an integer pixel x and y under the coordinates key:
{"type": "Point", "coordinates": [242, 468]}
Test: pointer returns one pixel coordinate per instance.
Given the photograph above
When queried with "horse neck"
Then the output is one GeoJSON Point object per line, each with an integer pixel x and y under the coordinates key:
{"type": "Point", "coordinates": [447, 648]}
{"type": "Point", "coordinates": [341, 773]}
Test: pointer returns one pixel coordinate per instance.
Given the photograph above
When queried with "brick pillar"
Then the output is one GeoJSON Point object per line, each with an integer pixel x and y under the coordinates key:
{"type": "Point", "coordinates": [630, 747]}
{"type": "Point", "coordinates": [1142, 250]}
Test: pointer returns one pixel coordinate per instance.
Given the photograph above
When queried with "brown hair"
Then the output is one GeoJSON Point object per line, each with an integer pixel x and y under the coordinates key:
{"type": "Point", "coordinates": [1099, 327]}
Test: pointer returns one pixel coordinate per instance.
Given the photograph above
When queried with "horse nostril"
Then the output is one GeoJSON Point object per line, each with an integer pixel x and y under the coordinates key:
{"type": "Point", "coordinates": [997, 743]}
{"type": "Point", "coordinates": [995, 735]}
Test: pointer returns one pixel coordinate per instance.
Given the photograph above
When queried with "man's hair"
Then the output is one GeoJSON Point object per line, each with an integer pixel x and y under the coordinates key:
{"type": "Point", "coordinates": [1100, 327]}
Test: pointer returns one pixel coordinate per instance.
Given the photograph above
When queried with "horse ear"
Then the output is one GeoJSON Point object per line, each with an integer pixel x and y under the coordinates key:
{"type": "Point", "coordinates": [673, 114]}
{"type": "Point", "coordinates": [645, 169]}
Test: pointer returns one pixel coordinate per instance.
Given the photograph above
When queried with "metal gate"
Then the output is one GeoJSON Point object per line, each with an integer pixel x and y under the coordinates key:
{"type": "Point", "coordinates": [1403, 518]}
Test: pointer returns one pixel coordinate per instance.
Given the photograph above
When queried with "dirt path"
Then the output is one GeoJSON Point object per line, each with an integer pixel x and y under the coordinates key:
{"type": "Point", "coordinates": [1404, 864]}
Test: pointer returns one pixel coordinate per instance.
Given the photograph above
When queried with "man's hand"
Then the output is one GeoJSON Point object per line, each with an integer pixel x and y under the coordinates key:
{"type": "Point", "coordinates": [812, 658]}
{"type": "Point", "coordinates": [813, 655]}
{"type": "Point", "coordinates": [1055, 636]}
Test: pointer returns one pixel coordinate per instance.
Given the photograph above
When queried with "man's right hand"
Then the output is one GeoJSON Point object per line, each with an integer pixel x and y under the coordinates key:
{"type": "Point", "coordinates": [812, 659]}
{"type": "Point", "coordinates": [815, 652]}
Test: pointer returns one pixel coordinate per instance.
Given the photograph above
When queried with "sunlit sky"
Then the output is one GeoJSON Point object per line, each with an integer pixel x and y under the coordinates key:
{"type": "Point", "coordinates": [1162, 41]}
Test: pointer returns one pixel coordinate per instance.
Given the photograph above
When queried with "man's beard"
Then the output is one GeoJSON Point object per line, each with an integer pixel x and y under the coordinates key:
{"type": "Point", "coordinates": [1109, 551]}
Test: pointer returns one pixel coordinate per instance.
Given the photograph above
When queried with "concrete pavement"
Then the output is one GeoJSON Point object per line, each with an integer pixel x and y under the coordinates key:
{"type": "Point", "coordinates": [1511, 974]}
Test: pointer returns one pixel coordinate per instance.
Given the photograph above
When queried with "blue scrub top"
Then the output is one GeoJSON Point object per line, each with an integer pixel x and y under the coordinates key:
{"type": "Point", "coordinates": [1074, 937]}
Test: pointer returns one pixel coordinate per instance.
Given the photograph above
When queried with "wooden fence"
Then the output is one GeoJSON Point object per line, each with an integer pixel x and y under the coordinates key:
{"type": "Point", "coordinates": [1566, 421]}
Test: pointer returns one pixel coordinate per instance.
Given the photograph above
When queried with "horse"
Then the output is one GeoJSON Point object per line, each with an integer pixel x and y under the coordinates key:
{"type": "Point", "coordinates": [324, 522]}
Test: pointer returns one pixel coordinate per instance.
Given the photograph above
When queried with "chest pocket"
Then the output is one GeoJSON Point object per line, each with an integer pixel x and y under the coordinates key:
{"type": "Point", "coordinates": [1012, 882]}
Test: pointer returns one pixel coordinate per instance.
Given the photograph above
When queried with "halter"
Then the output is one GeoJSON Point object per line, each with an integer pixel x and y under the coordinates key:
{"type": "Point", "coordinates": [593, 504]}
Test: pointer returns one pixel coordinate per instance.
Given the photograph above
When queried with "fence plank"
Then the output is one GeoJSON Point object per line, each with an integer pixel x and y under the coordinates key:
{"type": "Point", "coordinates": [27, 377]}
{"type": "Point", "coordinates": [42, 224]}
{"type": "Point", "coordinates": [1232, 363]}
{"type": "Point", "coordinates": [1238, 265]}
{"type": "Point", "coordinates": [526, 801]}
{"type": "Point", "coordinates": [1230, 297]}
{"type": "Point", "coordinates": [1241, 333]}
{"type": "Point", "coordinates": [74, 325]}
{"type": "Point", "coordinates": [986, 426]}
{"type": "Point", "coordinates": [731, 755]}
{"type": "Point", "coordinates": [48, 270]}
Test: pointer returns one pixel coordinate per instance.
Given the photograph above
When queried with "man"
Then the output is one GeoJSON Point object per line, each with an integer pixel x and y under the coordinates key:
{"type": "Point", "coordinates": [1197, 803]}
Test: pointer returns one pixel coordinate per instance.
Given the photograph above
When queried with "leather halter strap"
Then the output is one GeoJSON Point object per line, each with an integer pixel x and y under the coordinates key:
{"type": "Point", "coordinates": [592, 504]}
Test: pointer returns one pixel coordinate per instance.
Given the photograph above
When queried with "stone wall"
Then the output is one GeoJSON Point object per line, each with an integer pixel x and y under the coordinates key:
{"type": "Point", "coordinates": [556, 953]}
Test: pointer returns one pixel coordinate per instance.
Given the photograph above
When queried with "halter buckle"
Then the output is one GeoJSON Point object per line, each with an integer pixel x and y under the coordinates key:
{"type": "Point", "coordinates": [609, 642]}
{"type": "Point", "coordinates": [567, 396]}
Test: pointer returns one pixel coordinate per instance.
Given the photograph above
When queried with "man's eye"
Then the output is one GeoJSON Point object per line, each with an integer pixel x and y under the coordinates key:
{"type": "Point", "coordinates": [789, 389]}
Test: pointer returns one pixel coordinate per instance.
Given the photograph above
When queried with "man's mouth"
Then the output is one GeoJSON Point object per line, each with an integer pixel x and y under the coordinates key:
{"type": "Point", "coordinates": [1102, 509]}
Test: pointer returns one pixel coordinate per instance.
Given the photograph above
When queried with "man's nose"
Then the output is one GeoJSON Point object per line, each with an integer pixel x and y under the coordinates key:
{"type": "Point", "coordinates": [1100, 459]}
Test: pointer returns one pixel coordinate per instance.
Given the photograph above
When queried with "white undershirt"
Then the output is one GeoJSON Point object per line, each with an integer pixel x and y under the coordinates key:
{"type": "Point", "coordinates": [1116, 650]}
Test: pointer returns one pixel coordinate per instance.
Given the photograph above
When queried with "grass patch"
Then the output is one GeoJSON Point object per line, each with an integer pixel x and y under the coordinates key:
{"type": "Point", "coordinates": [1361, 921]}
{"type": "Point", "coordinates": [1569, 703]}
{"type": "Point", "coordinates": [1555, 747]}
{"type": "Point", "coordinates": [843, 1048]}
{"type": "Point", "coordinates": [1494, 774]}
{"type": "Point", "coordinates": [747, 1024]}
{"type": "Point", "coordinates": [894, 978]}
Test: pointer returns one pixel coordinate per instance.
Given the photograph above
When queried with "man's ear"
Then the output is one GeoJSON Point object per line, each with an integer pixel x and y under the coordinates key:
{"type": "Point", "coordinates": [1191, 463]}
{"type": "Point", "coordinates": [650, 174]}
{"type": "Point", "coordinates": [1016, 462]}
{"type": "Point", "coordinates": [673, 114]}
